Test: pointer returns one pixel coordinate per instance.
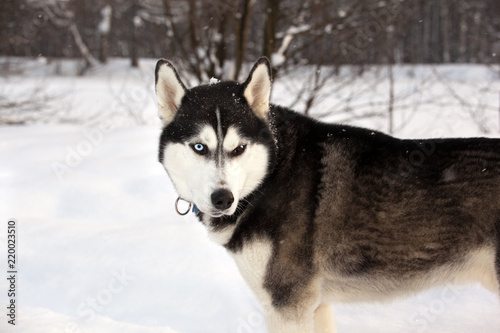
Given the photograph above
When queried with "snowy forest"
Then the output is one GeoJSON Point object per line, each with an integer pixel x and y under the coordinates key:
{"type": "Point", "coordinates": [207, 34]}
{"type": "Point", "coordinates": [99, 245]}
{"type": "Point", "coordinates": [319, 40]}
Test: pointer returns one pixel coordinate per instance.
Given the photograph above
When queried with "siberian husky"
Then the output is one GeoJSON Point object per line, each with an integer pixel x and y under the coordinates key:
{"type": "Point", "coordinates": [315, 213]}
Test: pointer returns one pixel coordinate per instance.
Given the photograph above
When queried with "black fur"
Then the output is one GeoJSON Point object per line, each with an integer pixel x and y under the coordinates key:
{"type": "Point", "coordinates": [198, 108]}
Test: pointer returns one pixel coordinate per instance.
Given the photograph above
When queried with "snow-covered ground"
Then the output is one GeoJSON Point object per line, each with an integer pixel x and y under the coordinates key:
{"type": "Point", "coordinates": [101, 249]}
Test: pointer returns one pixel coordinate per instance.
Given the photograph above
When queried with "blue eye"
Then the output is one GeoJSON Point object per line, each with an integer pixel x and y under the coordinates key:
{"type": "Point", "coordinates": [199, 148]}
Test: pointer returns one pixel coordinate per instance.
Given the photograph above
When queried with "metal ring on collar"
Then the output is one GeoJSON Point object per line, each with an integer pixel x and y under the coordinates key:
{"type": "Point", "coordinates": [177, 209]}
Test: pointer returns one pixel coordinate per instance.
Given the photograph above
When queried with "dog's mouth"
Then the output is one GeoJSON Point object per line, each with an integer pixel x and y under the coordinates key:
{"type": "Point", "coordinates": [216, 213]}
{"type": "Point", "coordinates": [219, 213]}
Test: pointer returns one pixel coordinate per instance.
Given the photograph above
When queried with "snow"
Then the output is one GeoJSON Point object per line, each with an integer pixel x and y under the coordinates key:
{"type": "Point", "coordinates": [137, 21]}
{"type": "Point", "coordinates": [295, 30]}
{"type": "Point", "coordinates": [105, 24]}
{"type": "Point", "coordinates": [278, 59]}
{"type": "Point", "coordinates": [101, 248]}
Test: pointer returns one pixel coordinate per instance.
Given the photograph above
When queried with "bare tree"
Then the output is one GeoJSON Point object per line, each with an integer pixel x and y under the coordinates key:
{"type": "Point", "coordinates": [272, 17]}
{"type": "Point", "coordinates": [205, 34]}
{"type": "Point", "coordinates": [62, 16]}
{"type": "Point", "coordinates": [199, 34]}
{"type": "Point", "coordinates": [242, 18]}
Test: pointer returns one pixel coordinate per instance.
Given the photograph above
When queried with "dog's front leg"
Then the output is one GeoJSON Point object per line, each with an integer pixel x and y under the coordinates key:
{"type": "Point", "coordinates": [252, 261]}
{"type": "Point", "coordinates": [323, 319]}
{"type": "Point", "coordinates": [301, 320]}
{"type": "Point", "coordinates": [282, 321]}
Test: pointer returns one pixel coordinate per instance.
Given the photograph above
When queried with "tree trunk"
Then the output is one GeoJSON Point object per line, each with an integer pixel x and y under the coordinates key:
{"type": "Point", "coordinates": [242, 20]}
{"type": "Point", "coordinates": [390, 108]}
{"type": "Point", "coordinates": [103, 49]}
{"type": "Point", "coordinates": [220, 44]}
{"type": "Point", "coordinates": [134, 47]}
{"type": "Point", "coordinates": [462, 46]}
{"type": "Point", "coordinates": [445, 30]}
{"type": "Point", "coordinates": [272, 17]}
{"type": "Point", "coordinates": [84, 51]}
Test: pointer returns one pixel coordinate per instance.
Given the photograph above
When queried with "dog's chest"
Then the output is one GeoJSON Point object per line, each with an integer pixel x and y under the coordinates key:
{"type": "Point", "coordinates": [252, 261]}
{"type": "Point", "coordinates": [217, 234]}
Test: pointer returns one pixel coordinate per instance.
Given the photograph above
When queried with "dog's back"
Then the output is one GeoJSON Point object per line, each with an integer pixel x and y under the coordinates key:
{"type": "Point", "coordinates": [408, 214]}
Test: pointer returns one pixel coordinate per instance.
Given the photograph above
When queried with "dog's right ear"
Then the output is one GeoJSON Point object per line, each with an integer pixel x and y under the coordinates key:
{"type": "Point", "coordinates": [169, 90]}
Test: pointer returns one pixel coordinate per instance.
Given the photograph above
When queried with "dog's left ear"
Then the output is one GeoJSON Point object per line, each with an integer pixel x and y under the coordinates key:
{"type": "Point", "coordinates": [257, 88]}
{"type": "Point", "coordinates": [169, 90]}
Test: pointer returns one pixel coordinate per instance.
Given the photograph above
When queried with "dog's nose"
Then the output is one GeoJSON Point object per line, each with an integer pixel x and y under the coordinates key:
{"type": "Point", "coordinates": [222, 199]}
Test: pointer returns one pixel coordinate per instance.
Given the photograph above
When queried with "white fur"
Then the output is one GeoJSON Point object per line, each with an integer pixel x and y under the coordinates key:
{"type": "Point", "coordinates": [221, 237]}
{"type": "Point", "coordinates": [193, 175]}
{"type": "Point", "coordinates": [252, 261]}
{"type": "Point", "coordinates": [169, 92]}
{"type": "Point", "coordinates": [197, 177]}
{"type": "Point", "coordinates": [323, 319]}
{"type": "Point", "coordinates": [245, 172]}
{"type": "Point", "coordinates": [478, 267]}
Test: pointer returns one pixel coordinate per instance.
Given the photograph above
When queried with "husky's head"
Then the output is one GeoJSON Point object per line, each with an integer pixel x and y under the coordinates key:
{"type": "Point", "coordinates": [216, 144]}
